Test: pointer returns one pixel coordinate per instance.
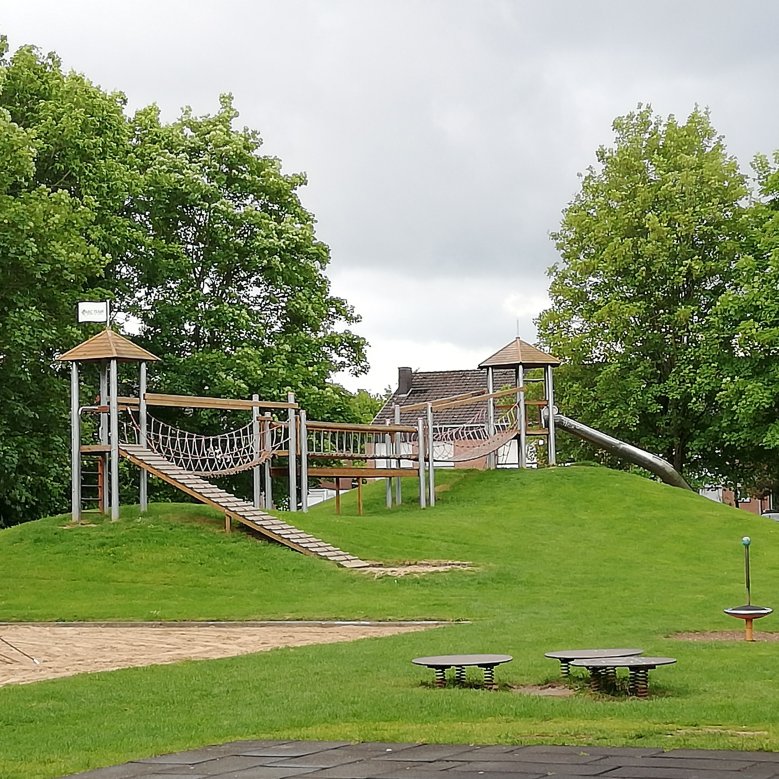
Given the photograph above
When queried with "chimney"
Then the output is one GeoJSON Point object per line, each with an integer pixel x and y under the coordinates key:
{"type": "Point", "coordinates": [405, 377]}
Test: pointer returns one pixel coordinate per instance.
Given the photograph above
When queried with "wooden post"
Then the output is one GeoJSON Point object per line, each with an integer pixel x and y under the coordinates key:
{"type": "Point", "coordinates": [144, 484]}
{"type": "Point", "coordinates": [359, 496]}
{"type": "Point", "coordinates": [337, 496]}
{"type": "Point", "coordinates": [113, 407]}
{"type": "Point", "coordinates": [75, 444]}
{"type": "Point", "coordinates": [228, 522]}
{"type": "Point", "coordinates": [102, 493]}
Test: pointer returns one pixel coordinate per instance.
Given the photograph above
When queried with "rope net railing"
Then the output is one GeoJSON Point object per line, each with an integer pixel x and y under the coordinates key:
{"type": "Point", "coordinates": [211, 455]}
{"type": "Point", "coordinates": [474, 438]}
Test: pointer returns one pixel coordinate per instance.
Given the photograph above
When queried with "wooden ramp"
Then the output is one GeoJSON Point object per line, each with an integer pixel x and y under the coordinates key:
{"type": "Point", "coordinates": [240, 510]}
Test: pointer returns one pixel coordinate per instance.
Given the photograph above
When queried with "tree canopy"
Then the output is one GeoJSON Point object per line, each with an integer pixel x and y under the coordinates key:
{"type": "Point", "coordinates": [749, 313]}
{"type": "Point", "coordinates": [648, 247]}
{"type": "Point", "coordinates": [229, 284]}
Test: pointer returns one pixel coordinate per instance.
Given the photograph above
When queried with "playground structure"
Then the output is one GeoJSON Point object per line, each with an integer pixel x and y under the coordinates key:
{"type": "Point", "coordinates": [126, 429]}
{"type": "Point", "coordinates": [468, 427]}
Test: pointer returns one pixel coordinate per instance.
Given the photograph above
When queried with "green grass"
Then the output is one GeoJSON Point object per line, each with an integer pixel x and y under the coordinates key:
{"type": "Point", "coordinates": [566, 557]}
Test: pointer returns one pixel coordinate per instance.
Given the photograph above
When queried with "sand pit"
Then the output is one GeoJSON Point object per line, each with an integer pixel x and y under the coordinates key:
{"type": "Point", "coordinates": [33, 652]}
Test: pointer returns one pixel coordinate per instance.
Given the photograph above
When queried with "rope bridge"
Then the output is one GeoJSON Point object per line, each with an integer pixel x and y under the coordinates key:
{"type": "Point", "coordinates": [473, 440]}
{"type": "Point", "coordinates": [212, 455]}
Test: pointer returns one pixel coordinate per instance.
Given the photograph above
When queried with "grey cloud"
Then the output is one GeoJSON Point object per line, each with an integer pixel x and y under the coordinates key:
{"type": "Point", "coordinates": [441, 138]}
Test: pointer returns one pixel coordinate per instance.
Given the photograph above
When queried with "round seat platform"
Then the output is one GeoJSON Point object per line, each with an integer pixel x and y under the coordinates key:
{"type": "Point", "coordinates": [440, 664]}
{"type": "Point", "coordinates": [565, 656]}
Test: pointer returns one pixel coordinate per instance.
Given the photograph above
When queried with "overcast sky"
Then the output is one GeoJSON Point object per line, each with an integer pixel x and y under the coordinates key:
{"type": "Point", "coordinates": [441, 138]}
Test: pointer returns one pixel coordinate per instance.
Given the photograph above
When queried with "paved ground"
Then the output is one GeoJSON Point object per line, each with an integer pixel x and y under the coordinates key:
{"type": "Point", "coordinates": [340, 760]}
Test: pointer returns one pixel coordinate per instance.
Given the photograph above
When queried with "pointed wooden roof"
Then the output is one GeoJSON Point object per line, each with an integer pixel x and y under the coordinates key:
{"type": "Point", "coordinates": [107, 345]}
{"type": "Point", "coordinates": [519, 352]}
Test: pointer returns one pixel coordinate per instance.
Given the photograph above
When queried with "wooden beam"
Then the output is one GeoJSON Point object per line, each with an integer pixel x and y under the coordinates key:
{"type": "Point", "coordinates": [193, 401]}
{"type": "Point", "coordinates": [95, 448]}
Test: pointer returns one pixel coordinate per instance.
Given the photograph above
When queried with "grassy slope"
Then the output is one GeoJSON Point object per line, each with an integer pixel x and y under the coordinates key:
{"type": "Point", "coordinates": [566, 557]}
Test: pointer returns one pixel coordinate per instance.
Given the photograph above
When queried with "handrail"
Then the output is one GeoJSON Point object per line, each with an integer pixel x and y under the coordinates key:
{"type": "Point", "coordinates": [360, 428]}
{"type": "Point", "coordinates": [466, 399]}
{"type": "Point", "coordinates": [193, 401]}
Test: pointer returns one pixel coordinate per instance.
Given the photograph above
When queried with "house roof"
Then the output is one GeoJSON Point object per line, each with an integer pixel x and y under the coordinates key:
{"type": "Point", "coordinates": [107, 345]}
{"type": "Point", "coordinates": [519, 352]}
{"type": "Point", "coordinates": [429, 386]}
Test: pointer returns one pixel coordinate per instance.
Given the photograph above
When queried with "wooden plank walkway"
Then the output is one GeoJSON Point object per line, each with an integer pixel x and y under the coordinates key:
{"type": "Point", "coordinates": [240, 510]}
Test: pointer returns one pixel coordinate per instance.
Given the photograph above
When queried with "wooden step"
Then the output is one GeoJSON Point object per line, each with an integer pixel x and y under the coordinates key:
{"type": "Point", "coordinates": [244, 511]}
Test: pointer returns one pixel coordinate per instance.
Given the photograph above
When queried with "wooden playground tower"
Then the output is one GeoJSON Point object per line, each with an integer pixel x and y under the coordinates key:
{"type": "Point", "coordinates": [471, 428]}
{"type": "Point", "coordinates": [522, 357]}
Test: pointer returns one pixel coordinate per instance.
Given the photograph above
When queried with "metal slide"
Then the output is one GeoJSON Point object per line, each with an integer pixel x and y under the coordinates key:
{"type": "Point", "coordinates": [656, 465]}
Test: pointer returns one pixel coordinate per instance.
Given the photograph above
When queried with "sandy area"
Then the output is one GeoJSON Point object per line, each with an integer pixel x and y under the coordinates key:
{"type": "Point", "coordinates": [32, 652]}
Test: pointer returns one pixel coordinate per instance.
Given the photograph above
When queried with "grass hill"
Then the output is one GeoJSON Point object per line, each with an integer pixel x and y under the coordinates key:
{"type": "Point", "coordinates": [563, 557]}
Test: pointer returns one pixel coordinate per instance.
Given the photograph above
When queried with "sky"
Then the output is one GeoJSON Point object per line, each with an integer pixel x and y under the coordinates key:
{"type": "Point", "coordinates": [442, 139]}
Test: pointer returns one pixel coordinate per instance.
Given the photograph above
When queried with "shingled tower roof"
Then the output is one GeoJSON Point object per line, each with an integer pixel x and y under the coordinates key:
{"type": "Point", "coordinates": [519, 352]}
{"type": "Point", "coordinates": [107, 345]}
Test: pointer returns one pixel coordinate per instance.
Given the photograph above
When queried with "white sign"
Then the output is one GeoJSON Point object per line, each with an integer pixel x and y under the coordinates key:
{"type": "Point", "coordinates": [93, 312]}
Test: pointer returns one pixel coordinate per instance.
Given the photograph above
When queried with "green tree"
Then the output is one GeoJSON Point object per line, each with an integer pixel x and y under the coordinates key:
{"type": "Point", "coordinates": [56, 136]}
{"type": "Point", "coordinates": [749, 312]}
{"type": "Point", "coordinates": [647, 248]}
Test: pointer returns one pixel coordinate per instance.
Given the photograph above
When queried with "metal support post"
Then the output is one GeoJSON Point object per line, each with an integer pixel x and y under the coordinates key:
{"type": "Point", "coordinates": [421, 461]}
{"type": "Point", "coordinates": [522, 416]}
{"type": "Point", "coordinates": [492, 458]}
{"type": "Point", "coordinates": [103, 433]}
{"type": "Point", "coordinates": [268, 479]}
{"type": "Point", "coordinates": [430, 454]}
{"type": "Point", "coordinates": [398, 488]}
{"type": "Point", "coordinates": [551, 446]}
{"type": "Point", "coordinates": [75, 444]}
{"type": "Point", "coordinates": [303, 461]}
{"type": "Point", "coordinates": [144, 485]}
{"type": "Point", "coordinates": [388, 452]}
{"type": "Point", "coordinates": [113, 410]}
{"type": "Point", "coordinates": [257, 450]}
{"type": "Point", "coordinates": [293, 457]}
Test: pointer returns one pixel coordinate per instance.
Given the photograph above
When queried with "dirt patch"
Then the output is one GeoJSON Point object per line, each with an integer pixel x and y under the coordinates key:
{"type": "Point", "coordinates": [423, 567]}
{"type": "Point", "coordinates": [33, 652]}
{"type": "Point", "coordinates": [723, 635]}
